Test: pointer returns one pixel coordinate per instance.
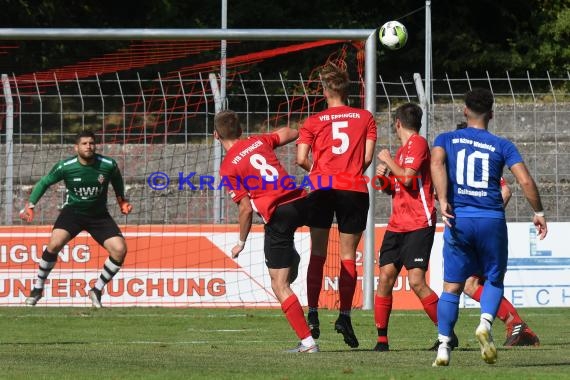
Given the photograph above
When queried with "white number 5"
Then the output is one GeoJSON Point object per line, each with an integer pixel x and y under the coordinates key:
{"type": "Point", "coordinates": [338, 135]}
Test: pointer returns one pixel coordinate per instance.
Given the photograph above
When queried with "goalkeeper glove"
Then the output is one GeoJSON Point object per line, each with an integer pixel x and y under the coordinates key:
{"type": "Point", "coordinates": [124, 205]}
{"type": "Point", "coordinates": [27, 213]}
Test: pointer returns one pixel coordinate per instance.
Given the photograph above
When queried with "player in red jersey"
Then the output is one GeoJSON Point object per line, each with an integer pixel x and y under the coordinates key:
{"type": "Point", "coordinates": [411, 228]}
{"type": "Point", "coordinates": [342, 140]}
{"type": "Point", "coordinates": [256, 181]}
{"type": "Point", "coordinates": [517, 331]}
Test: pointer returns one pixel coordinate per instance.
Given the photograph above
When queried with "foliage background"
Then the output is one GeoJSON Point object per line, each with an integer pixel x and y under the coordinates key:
{"type": "Point", "coordinates": [478, 36]}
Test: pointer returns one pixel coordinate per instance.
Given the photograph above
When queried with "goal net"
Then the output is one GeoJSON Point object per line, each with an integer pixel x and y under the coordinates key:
{"type": "Point", "coordinates": [151, 105]}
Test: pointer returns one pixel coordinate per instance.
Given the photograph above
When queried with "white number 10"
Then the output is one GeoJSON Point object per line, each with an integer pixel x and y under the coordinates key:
{"type": "Point", "coordinates": [461, 171]}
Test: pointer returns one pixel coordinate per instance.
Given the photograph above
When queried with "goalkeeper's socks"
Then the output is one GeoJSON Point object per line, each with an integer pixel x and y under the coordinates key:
{"type": "Point", "coordinates": [110, 269]}
{"type": "Point", "coordinates": [45, 266]}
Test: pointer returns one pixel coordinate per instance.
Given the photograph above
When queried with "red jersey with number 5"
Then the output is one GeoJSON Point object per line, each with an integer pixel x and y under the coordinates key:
{"type": "Point", "coordinates": [252, 168]}
{"type": "Point", "coordinates": [337, 137]}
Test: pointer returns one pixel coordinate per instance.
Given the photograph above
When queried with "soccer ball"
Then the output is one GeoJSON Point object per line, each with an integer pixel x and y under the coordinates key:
{"type": "Point", "coordinates": [393, 35]}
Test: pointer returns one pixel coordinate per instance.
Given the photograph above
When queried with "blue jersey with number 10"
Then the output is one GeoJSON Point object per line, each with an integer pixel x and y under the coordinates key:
{"type": "Point", "coordinates": [475, 159]}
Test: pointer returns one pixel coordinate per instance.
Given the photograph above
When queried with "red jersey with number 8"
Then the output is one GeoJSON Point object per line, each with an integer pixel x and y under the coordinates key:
{"type": "Point", "coordinates": [252, 168]}
{"type": "Point", "coordinates": [337, 137]}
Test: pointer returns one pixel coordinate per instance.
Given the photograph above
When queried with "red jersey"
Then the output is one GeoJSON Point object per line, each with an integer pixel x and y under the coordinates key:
{"type": "Point", "coordinates": [252, 168]}
{"type": "Point", "coordinates": [337, 137]}
{"type": "Point", "coordinates": [413, 207]}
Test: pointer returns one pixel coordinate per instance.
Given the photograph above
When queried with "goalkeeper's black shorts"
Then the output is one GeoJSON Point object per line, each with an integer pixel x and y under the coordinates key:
{"type": "Point", "coordinates": [100, 227]}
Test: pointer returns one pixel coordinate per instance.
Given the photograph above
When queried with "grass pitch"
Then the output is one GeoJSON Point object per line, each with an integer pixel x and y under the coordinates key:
{"type": "Point", "coordinates": [161, 343]}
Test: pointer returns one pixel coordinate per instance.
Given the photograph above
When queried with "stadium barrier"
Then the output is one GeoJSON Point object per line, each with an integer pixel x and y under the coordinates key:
{"type": "Point", "coordinates": [190, 266]}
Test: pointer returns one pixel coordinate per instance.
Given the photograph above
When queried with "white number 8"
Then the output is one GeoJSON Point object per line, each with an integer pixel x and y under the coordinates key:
{"type": "Point", "coordinates": [268, 172]}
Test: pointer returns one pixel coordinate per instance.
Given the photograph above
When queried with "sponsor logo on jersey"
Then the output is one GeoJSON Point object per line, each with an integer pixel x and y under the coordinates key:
{"type": "Point", "coordinates": [77, 180]}
{"type": "Point", "coordinates": [87, 192]}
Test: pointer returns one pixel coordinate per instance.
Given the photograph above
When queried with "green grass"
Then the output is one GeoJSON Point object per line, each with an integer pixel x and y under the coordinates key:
{"type": "Point", "coordinates": [121, 343]}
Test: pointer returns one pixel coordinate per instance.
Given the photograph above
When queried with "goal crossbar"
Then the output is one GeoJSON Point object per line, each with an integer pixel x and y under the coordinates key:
{"type": "Point", "coordinates": [182, 34]}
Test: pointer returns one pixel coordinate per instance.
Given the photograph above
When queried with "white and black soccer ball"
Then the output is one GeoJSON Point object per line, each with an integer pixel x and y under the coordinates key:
{"type": "Point", "coordinates": [393, 35]}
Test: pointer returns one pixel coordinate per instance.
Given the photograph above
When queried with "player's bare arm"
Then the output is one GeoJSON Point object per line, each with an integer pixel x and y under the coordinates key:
{"type": "Point", "coordinates": [439, 180]}
{"type": "Point", "coordinates": [530, 192]}
{"type": "Point", "coordinates": [245, 220]}
{"type": "Point", "coordinates": [369, 154]}
{"type": "Point", "coordinates": [404, 176]}
{"type": "Point", "coordinates": [303, 156]}
{"type": "Point", "coordinates": [286, 135]}
{"type": "Point", "coordinates": [506, 194]}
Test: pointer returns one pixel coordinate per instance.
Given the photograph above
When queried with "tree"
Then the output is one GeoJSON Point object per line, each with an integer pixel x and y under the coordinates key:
{"type": "Point", "coordinates": [513, 35]}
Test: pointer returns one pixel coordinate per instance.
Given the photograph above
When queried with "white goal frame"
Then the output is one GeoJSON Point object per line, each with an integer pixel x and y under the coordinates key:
{"type": "Point", "coordinates": [368, 35]}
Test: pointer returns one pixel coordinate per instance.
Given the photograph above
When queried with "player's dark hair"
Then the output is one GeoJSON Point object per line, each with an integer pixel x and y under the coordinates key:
{"type": "Point", "coordinates": [479, 101]}
{"type": "Point", "coordinates": [335, 79]}
{"type": "Point", "coordinates": [410, 116]}
{"type": "Point", "coordinates": [84, 133]}
{"type": "Point", "coordinates": [226, 123]}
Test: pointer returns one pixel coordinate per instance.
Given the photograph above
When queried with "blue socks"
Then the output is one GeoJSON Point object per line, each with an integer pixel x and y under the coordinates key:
{"type": "Point", "coordinates": [491, 297]}
{"type": "Point", "coordinates": [447, 313]}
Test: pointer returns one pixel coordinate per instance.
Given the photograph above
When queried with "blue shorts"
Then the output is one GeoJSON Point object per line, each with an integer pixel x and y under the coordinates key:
{"type": "Point", "coordinates": [475, 246]}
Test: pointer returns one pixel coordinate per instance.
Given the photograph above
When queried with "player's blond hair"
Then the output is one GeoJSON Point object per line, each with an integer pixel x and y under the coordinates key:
{"type": "Point", "coordinates": [335, 79]}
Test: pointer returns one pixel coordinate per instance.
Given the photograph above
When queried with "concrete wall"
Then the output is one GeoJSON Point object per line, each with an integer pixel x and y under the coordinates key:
{"type": "Point", "coordinates": [541, 132]}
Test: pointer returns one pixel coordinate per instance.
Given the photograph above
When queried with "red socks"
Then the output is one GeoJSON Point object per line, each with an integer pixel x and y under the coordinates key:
{"type": "Point", "coordinates": [430, 306]}
{"type": "Point", "coordinates": [506, 313]}
{"type": "Point", "coordinates": [294, 314]}
{"type": "Point", "coordinates": [347, 284]}
{"type": "Point", "coordinates": [477, 295]}
{"type": "Point", "coordinates": [382, 310]}
{"type": "Point", "coordinates": [315, 279]}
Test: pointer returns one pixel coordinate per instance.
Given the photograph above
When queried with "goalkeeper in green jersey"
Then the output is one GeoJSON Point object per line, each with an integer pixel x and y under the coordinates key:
{"type": "Point", "coordinates": [86, 177]}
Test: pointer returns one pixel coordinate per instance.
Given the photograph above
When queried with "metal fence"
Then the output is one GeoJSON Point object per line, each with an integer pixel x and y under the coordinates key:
{"type": "Point", "coordinates": [165, 123]}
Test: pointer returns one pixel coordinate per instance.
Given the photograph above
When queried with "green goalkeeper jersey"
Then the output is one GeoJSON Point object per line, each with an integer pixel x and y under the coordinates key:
{"type": "Point", "coordinates": [86, 185]}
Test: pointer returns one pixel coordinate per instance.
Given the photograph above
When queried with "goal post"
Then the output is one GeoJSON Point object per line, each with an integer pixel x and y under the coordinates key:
{"type": "Point", "coordinates": [367, 35]}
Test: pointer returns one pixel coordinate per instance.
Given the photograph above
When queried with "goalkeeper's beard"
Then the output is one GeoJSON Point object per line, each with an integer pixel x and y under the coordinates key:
{"type": "Point", "coordinates": [87, 156]}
